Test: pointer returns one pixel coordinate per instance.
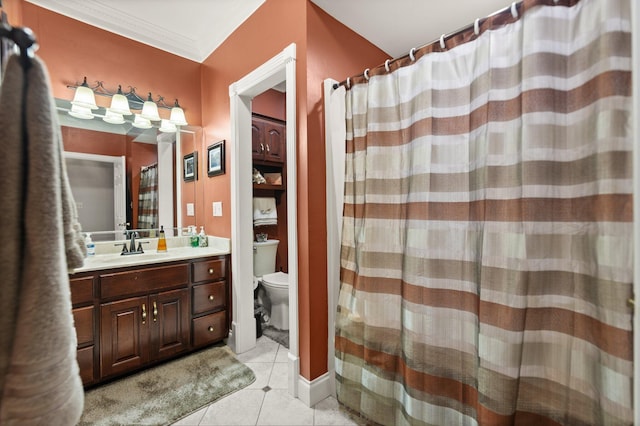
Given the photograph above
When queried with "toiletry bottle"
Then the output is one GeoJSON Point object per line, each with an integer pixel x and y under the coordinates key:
{"type": "Point", "coordinates": [162, 241]}
{"type": "Point", "coordinates": [194, 237]}
{"type": "Point", "coordinates": [202, 238]}
{"type": "Point", "coordinates": [91, 247]}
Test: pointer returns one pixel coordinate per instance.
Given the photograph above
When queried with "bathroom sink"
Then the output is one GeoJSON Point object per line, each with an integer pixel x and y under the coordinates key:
{"type": "Point", "coordinates": [116, 260]}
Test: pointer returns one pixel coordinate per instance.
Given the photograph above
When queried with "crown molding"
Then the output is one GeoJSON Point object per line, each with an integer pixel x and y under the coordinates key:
{"type": "Point", "coordinates": [160, 28]}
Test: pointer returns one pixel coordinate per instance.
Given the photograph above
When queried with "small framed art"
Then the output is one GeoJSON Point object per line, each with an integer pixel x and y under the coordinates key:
{"type": "Point", "coordinates": [215, 163]}
{"type": "Point", "coordinates": [190, 167]}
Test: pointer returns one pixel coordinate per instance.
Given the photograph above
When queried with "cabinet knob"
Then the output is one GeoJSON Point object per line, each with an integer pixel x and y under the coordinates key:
{"type": "Point", "coordinates": [268, 148]}
{"type": "Point", "coordinates": [261, 147]}
{"type": "Point", "coordinates": [210, 328]}
{"type": "Point", "coordinates": [211, 297]}
{"type": "Point", "coordinates": [210, 271]}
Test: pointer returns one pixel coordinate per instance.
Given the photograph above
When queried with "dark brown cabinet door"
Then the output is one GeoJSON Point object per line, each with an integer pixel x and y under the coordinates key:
{"type": "Point", "coordinates": [268, 140]}
{"type": "Point", "coordinates": [275, 137]}
{"type": "Point", "coordinates": [124, 335]}
{"type": "Point", "coordinates": [169, 323]}
{"type": "Point", "coordinates": [257, 140]}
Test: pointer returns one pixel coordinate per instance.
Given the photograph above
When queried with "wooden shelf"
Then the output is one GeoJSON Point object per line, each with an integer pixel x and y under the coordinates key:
{"type": "Point", "coordinates": [267, 187]}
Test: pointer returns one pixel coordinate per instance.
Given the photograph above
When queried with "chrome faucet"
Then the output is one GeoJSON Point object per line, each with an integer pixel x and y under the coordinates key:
{"type": "Point", "coordinates": [132, 244]}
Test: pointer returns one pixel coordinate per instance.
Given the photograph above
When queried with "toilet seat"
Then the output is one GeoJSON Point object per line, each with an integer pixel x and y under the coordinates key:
{"type": "Point", "coordinates": [277, 279]}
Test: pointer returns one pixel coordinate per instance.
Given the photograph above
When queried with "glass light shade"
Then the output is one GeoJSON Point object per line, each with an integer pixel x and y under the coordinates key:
{"type": "Point", "coordinates": [84, 97]}
{"type": "Point", "coordinates": [120, 105]}
{"type": "Point", "coordinates": [177, 115]}
{"type": "Point", "coordinates": [81, 112]}
{"type": "Point", "coordinates": [150, 110]}
{"type": "Point", "coordinates": [167, 126]}
{"type": "Point", "coordinates": [113, 117]}
{"type": "Point", "coordinates": [141, 122]}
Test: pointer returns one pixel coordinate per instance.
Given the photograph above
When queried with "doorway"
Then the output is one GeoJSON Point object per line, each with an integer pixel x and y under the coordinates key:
{"type": "Point", "coordinates": [278, 70]}
{"type": "Point", "coordinates": [98, 186]}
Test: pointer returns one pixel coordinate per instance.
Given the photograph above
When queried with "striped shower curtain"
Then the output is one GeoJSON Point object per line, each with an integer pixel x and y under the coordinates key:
{"type": "Point", "coordinates": [486, 259]}
{"type": "Point", "coordinates": [148, 198]}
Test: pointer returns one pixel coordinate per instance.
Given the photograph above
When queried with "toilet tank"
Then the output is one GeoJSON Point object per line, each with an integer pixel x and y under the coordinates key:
{"type": "Point", "coordinates": [264, 257]}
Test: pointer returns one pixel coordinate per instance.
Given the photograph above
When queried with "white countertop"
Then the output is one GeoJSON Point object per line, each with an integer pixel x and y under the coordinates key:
{"type": "Point", "coordinates": [108, 253]}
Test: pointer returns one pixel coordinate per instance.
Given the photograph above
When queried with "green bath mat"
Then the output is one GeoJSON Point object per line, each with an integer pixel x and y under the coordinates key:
{"type": "Point", "coordinates": [166, 393]}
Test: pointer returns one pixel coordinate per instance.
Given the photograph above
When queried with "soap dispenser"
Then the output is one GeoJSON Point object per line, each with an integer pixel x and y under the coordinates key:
{"type": "Point", "coordinates": [202, 238]}
{"type": "Point", "coordinates": [162, 241]}
{"type": "Point", "coordinates": [91, 247]}
{"type": "Point", "coordinates": [193, 237]}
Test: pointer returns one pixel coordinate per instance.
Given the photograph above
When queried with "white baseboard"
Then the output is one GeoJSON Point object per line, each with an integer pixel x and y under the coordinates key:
{"type": "Point", "coordinates": [312, 392]}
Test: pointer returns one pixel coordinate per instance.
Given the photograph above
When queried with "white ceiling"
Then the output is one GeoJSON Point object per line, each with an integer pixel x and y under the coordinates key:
{"type": "Point", "coordinates": [195, 28]}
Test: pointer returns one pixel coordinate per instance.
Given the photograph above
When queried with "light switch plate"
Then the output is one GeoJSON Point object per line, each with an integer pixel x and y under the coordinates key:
{"type": "Point", "coordinates": [190, 209]}
{"type": "Point", "coordinates": [217, 208]}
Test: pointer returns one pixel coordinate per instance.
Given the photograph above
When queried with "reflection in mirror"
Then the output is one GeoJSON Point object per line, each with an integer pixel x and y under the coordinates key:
{"type": "Point", "coordinates": [123, 178]}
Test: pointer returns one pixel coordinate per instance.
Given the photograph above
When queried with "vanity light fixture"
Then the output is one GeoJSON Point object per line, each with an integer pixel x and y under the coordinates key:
{"type": "Point", "coordinates": [84, 96]}
{"type": "Point", "coordinates": [122, 104]}
{"type": "Point", "coordinates": [113, 117]}
{"type": "Point", "coordinates": [81, 112]}
{"type": "Point", "coordinates": [177, 115]}
{"type": "Point", "coordinates": [141, 123]}
{"type": "Point", "coordinates": [150, 110]}
{"type": "Point", "coordinates": [167, 126]}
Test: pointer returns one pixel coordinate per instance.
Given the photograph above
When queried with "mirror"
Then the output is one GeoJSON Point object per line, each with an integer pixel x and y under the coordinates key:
{"type": "Point", "coordinates": [124, 178]}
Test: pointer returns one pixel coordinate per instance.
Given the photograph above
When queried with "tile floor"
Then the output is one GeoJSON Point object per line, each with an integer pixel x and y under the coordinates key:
{"type": "Point", "coordinates": [267, 401]}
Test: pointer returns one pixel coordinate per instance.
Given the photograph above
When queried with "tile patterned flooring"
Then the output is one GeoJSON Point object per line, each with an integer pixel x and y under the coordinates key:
{"type": "Point", "coordinates": [267, 401]}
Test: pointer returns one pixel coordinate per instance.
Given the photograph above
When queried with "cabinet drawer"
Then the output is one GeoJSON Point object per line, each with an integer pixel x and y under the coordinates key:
{"type": "Point", "coordinates": [85, 362]}
{"type": "Point", "coordinates": [138, 281]}
{"type": "Point", "coordinates": [83, 321]}
{"type": "Point", "coordinates": [210, 328]}
{"type": "Point", "coordinates": [81, 290]}
{"type": "Point", "coordinates": [209, 297]}
{"type": "Point", "coordinates": [209, 270]}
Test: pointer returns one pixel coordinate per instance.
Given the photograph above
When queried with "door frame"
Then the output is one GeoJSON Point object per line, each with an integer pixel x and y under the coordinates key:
{"type": "Point", "coordinates": [119, 185]}
{"type": "Point", "coordinates": [242, 337]}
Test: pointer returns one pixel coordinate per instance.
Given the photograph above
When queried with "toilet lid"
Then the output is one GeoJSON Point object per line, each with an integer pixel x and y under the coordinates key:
{"type": "Point", "coordinates": [277, 279]}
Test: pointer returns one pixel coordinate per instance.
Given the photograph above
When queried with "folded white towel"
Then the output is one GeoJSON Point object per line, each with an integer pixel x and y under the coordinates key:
{"type": "Point", "coordinates": [264, 211]}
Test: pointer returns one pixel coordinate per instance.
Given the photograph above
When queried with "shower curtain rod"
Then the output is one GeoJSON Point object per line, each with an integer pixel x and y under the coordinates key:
{"type": "Point", "coordinates": [514, 9]}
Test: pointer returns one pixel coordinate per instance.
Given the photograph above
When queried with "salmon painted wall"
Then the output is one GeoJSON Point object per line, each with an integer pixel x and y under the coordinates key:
{"type": "Point", "coordinates": [72, 50]}
{"type": "Point", "coordinates": [271, 103]}
{"type": "Point", "coordinates": [325, 48]}
{"type": "Point", "coordinates": [273, 26]}
{"type": "Point", "coordinates": [335, 51]}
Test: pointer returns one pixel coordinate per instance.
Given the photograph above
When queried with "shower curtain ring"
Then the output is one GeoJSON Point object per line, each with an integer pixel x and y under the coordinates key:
{"type": "Point", "coordinates": [386, 65]}
{"type": "Point", "coordinates": [442, 45]}
{"type": "Point", "coordinates": [476, 26]}
{"type": "Point", "coordinates": [348, 82]}
{"type": "Point", "coordinates": [366, 74]}
{"type": "Point", "coordinates": [411, 54]}
{"type": "Point", "coordinates": [514, 9]}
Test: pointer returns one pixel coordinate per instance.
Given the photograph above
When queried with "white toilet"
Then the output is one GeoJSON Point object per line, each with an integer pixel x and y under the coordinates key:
{"type": "Point", "coordinates": [276, 284]}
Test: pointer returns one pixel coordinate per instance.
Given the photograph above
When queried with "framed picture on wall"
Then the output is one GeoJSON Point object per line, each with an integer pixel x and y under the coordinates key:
{"type": "Point", "coordinates": [215, 164]}
{"type": "Point", "coordinates": [190, 167]}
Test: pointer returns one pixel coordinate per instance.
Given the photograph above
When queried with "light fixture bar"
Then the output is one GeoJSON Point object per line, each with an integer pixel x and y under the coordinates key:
{"type": "Point", "coordinates": [149, 107]}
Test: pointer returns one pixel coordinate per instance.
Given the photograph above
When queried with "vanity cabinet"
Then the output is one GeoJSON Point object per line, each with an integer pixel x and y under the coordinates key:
{"type": "Point", "coordinates": [82, 296]}
{"type": "Point", "coordinates": [132, 317]}
{"type": "Point", "coordinates": [268, 137]}
{"type": "Point", "coordinates": [210, 316]}
{"type": "Point", "coordinates": [150, 327]}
